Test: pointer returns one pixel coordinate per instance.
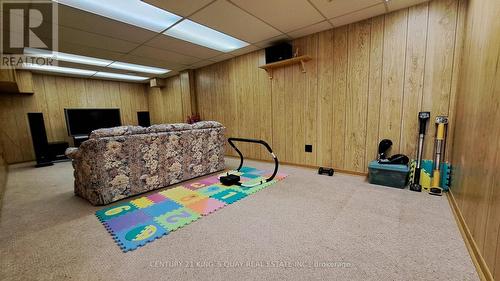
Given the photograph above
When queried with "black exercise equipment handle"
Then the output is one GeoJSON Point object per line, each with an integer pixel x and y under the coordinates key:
{"type": "Point", "coordinates": [422, 118]}
{"type": "Point", "coordinates": [422, 125]}
{"type": "Point", "coordinates": [231, 140]}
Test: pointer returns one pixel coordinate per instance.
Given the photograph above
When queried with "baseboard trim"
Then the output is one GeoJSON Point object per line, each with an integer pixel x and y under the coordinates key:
{"type": "Point", "coordinates": [304, 166]}
{"type": "Point", "coordinates": [477, 259]}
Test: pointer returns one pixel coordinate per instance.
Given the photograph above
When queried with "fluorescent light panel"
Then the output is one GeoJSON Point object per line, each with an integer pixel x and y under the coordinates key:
{"type": "Point", "coordinates": [141, 14]}
{"type": "Point", "coordinates": [59, 69]}
{"type": "Point", "coordinates": [67, 57]}
{"type": "Point", "coordinates": [119, 76]}
{"type": "Point", "coordinates": [134, 12]}
{"type": "Point", "coordinates": [94, 61]}
{"type": "Point", "coordinates": [196, 33]}
{"type": "Point", "coordinates": [82, 72]}
{"type": "Point", "coordinates": [138, 68]}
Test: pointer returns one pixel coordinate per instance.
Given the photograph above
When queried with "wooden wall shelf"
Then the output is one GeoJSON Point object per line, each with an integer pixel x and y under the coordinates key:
{"type": "Point", "coordinates": [16, 81]}
{"type": "Point", "coordinates": [296, 60]}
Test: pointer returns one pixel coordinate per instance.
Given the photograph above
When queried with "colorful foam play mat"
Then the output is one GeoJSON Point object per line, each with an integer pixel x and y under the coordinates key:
{"type": "Point", "coordinates": [137, 222]}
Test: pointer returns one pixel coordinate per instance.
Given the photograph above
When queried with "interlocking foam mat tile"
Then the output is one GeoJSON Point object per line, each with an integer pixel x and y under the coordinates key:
{"type": "Point", "coordinates": [135, 223]}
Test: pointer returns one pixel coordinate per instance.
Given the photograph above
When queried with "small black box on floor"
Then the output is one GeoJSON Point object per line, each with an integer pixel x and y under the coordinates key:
{"type": "Point", "coordinates": [388, 174]}
{"type": "Point", "coordinates": [230, 180]}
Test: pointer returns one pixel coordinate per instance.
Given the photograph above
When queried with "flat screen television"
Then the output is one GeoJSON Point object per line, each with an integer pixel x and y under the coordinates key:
{"type": "Point", "coordinates": [82, 121]}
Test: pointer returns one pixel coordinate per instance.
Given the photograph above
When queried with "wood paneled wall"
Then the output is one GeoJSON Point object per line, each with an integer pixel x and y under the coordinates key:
{"type": "Point", "coordinates": [165, 104]}
{"type": "Point", "coordinates": [237, 95]}
{"type": "Point", "coordinates": [174, 102]}
{"type": "Point", "coordinates": [51, 95]}
{"type": "Point", "coordinates": [367, 81]}
{"type": "Point", "coordinates": [476, 152]}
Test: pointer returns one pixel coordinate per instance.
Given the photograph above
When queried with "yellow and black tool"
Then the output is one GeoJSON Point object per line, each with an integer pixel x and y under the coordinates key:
{"type": "Point", "coordinates": [439, 147]}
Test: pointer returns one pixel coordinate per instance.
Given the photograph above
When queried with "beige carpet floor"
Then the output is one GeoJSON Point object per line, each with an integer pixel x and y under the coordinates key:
{"type": "Point", "coordinates": [306, 227]}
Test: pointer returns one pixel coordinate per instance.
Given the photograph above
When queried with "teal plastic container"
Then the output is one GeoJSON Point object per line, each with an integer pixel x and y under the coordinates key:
{"type": "Point", "coordinates": [388, 175]}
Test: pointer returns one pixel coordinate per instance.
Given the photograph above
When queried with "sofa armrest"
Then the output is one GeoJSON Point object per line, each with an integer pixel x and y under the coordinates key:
{"type": "Point", "coordinates": [72, 152]}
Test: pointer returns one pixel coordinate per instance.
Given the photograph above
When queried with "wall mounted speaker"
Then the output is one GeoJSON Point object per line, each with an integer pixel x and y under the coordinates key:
{"type": "Point", "coordinates": [39, 138]}
{"type": "Point", "coordinates": [143, 118]}
{"type": "Point", "coordinates": [156, 83]}
{"type": "Point", "coordinates": [279, 52]}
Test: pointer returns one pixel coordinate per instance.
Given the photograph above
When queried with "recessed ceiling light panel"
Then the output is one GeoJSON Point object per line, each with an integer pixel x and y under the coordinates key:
{"type": "Point", "coordinates": [119, 76]}
{"type": "Point", "coordinates": [134, 12]}
{"type": "Point", "coordinates": [82, 72]}
{"type": "Point", "coordinates": [138, 68]}
{"type": "Point", "coordinates": [59, 56]}
{"type": "Point", "coordinates": [196, 33]}
{"type": "Point", "coordinates": [59, 69]}
{"type": "Point", "coordinates": [67, 57]}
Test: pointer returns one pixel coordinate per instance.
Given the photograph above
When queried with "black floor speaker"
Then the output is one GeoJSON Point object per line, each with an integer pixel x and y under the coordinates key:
{"type": "Point", "coordinates": [39, 137]}
{"type": "Point", "coordinates": [143, 118]}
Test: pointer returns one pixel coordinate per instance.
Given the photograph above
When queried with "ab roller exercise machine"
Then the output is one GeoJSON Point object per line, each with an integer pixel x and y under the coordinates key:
{"type": "Point", "coordinates": [233, 179]}
{"type": "Point", "coordinates": [423, 118]}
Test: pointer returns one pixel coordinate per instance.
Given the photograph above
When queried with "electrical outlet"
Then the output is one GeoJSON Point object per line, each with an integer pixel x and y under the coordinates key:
{"type": "Point", "coordinates": [309, 148]}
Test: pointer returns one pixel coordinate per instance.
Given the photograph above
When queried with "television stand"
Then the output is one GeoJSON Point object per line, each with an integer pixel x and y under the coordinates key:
{"type": "Point", "coordinates": [57, 150]}
{"type": "Point", "coordinates": [78, 139]}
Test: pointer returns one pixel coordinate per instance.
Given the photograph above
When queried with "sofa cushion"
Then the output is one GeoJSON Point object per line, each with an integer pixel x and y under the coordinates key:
{"type": "Point", "coordinates": [161, 128]}
{"type": "Point", "coordinates": [72, 152]}
{"type": "Point", "coordinates": [206, 125]}
{"type": "Point", "coordinates": [117, 131]}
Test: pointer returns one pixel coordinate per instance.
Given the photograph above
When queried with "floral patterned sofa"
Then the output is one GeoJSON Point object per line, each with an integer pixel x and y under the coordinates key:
{"type": "Point", "coordinates": [119, 162]}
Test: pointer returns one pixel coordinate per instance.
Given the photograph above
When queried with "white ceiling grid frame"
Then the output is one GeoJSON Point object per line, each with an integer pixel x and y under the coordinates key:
{"type": "Point", "coordinates": [293, 25]}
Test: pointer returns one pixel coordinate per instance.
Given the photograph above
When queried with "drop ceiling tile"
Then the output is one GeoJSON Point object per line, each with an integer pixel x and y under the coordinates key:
{"type": "Point", "coordinates": [320, 26]}
{"type": "Point", "coordinates": [33, 16]}
{"type": "Point", "coordinates": [285, 15]}
{"type": "Point", "coordinates": [272, 41]}
{"type": "Point", "coordinates": [359, 15]}
{"type": "Point", "coordinates": [222, 57]}
{"type": "Point", "coordinates": [80, 66]}
{"type": "Point", "coordinates": [336, 8]}
{"type": "Point", "coordinates": [152, 62]}
{"type": "Point", "coordinates": [94, 40]}
{"type": "Point", "coordinates": [201, 64]}
{"type": "Point", "coordinates": [244, 50]}
{"type": "Point", "coordinates": [396, 5]}
{"type": "Point", "coordinates": [160, 54]}
{"type": "Point", "coordinates": [179, 46]}
{"type": "Point", "coordinates": [19, 15]}
{"type": "Point", "coordinates": [76, 49]}
{"type": "Point", "coordinates": [17, 34]}
{"type": "Point", "coordinates": [227, 18]}
{"type": "Point", "coordinates": [78, 19]}
{"type": "Point", "coordinates": [182, 8]}
{"type": "Point", "coordinates": [170, 74]}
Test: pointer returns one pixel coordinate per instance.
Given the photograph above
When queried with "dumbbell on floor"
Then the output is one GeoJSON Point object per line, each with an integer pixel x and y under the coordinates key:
{"type": "Point", "coordinates": [328, 171]}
